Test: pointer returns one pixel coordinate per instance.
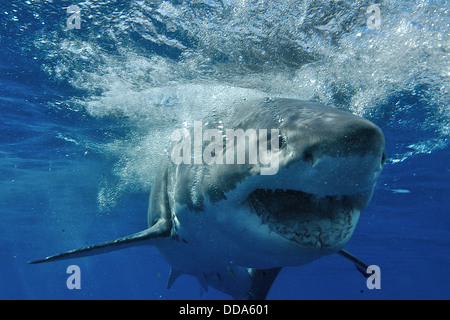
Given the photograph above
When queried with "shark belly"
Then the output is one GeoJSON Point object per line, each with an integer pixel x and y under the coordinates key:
{"type": "Point", "coordinates": [223, 234]}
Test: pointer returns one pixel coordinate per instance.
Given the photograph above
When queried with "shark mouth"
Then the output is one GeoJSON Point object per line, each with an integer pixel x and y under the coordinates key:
{"type": "Point", "coordinates": [306, 219]}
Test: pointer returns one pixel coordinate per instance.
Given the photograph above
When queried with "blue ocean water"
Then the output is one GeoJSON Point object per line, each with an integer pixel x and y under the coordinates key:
{"type": "Point", "coordinates": [84, 113]}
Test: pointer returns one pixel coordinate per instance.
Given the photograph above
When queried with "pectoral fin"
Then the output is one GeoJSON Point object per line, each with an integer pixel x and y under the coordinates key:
{"type": "Point", "coordinates": [160, 229]}
{"type": "Point", "coordinates": [360, 266]}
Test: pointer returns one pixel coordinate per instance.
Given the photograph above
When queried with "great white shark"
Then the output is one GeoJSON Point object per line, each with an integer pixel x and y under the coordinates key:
{"type": "Point", "coordinates": [234, 228]}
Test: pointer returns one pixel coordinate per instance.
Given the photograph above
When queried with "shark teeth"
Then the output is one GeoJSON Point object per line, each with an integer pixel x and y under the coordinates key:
{"type": "Point", "coordinates": [306, 219]}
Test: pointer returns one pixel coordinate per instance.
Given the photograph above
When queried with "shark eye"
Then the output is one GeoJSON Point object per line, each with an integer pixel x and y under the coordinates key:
{"type": "Point", "coordinates": [308, 156]}
{"type": "Point", "coordinates": [383, 159]}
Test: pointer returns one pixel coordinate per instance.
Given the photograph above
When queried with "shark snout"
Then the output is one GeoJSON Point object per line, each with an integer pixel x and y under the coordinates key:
{"type": "Point", "coordinates": [336, 154]}
{"type": "Point", "coordinates": [360, 138]}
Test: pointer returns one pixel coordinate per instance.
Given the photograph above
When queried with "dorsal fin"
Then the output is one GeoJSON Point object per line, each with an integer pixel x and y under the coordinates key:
{"type": "Point", "coordinates": [160, 229]}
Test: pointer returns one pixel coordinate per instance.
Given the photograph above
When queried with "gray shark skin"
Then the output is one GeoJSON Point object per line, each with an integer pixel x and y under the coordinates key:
{"type": "Point", "coordinates": [234, 228]}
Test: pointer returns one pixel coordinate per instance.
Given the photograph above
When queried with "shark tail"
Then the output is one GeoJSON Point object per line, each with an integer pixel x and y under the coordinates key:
{"type": "Point", "coordinates": [159, 229]}
{"type": "Point", "coordinates": [239, 282]}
